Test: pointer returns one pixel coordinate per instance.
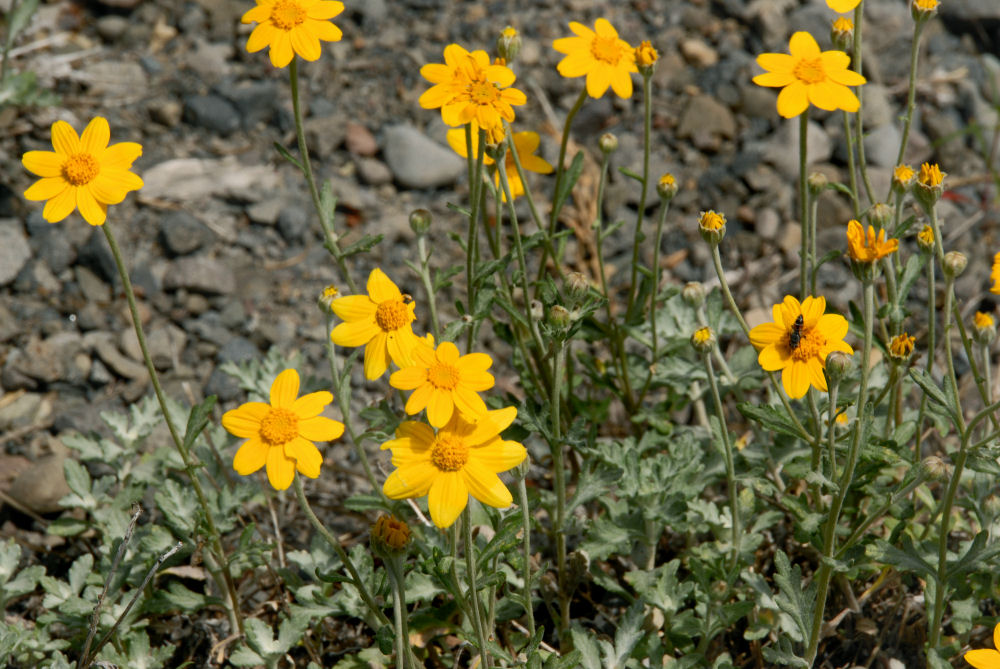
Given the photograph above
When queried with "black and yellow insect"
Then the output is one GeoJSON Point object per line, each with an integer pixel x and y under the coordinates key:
{"type": "Point", "coordinates": [795, 336]}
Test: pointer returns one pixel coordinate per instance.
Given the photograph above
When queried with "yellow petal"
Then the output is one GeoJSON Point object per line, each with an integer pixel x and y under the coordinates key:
{"type": "Point", "coordinates": [621, 83]}
{"type": "Point", "coordinates": [485, 485]}
{"type": "Point", "coordinates": [411, 481]}
{"type": "Point", "coordinates": [46, 189]}
{"type": "Point", "coordinates": [306, 456]}
{"type": "Point", "coordinates": [312, 404]}
{"type": "Point", "coordinates": [120, 156]}
{"type": "Point", "coordinates": [281, 52]}
{"type": "Point", "coordinates": [305, 43]}
{"type": "Point", "coordinates": [64, 139]}
{"type": "Point", "coordinates": [499, 456]}
{"type": "Point", "coordinates": [826, 95]}
{"type": "Point", "coordinates": [420, 434]}
{"type": "Point", "coordinates": [766, 334]}
{"type": "Point", "coordinates": [983, 658]}
{"type": "Point", "coordinates": [259, 14]}
{"type": "Point", "coordinates": [795, 379]}
{"type": "Point", "coordinates": [320, 428]}
{"type": "Point", "coordinates": [96, 136]}
{"type": "Point", "coordinates": [280, 468]}
{"type": "Point", "coordinates": [598, 81]}
{"type": "Point", "coordinates": [43, 163]}
{"type": "Point", "coordinates": [376, 356]}
{"type": "Point", "coordinates": [793, 99]}
{"type": "Point", "coordinates": [324, 10]}
{"type": "Point", "coordinates": [604, 28]}
{"type": "Point", "coordinates": [251, 456]}
{"type": "Point", "coordinates": [440, 407]}
{"type": "Point", "coordinates": [285, 389]}
{"type": "Point", "coordinates": [814, 370]}
{"type": "Point", "coordinates": [261, 37]}
{"type": "Point", "coordinates": [244, 421]}
{"type": "Point", "coordinates": [833, 326]}
{"type": "Point", "coordinates": [447, 498]}
{"type": "Point", "coordinates": [576, 63]}
{"type": "Point", "coordinates": [381, 288]}
{"type": "Point", "coordinates": [419, 399]}
{"type": "Point", "coordinates": [774, 79]}
{"type": "Point", "coordinates": [326, 31]}
{"type": "Point", "coordinates": [469, 403]}
{"type": "Point", "coordinates": [355, 333]}
{"type": "Point", "coordinates": [408, 378]}
{"type": "Point", "coordinates": [776, 62]}
{"type": "Point", "coordinates": [92, 212]}
{"type": "Point", "coordinates": [842, 6]}
{"type": "Point", "coordinates": [354, 308]}
{"type": "Point", "coordinates": [60, 206]}
{"type": "Point", "coordinates": [774, 357]}
{"type": "Point", "coordinates": [812, 310]}
{"type": "Point", "coordinates": [456, 140]}
{"type": "Point", "coordinates": [582, 30]}
{"type": "Point", "coordinates": [845, 77]}
{"type": "Point", "coordinates": [401, 345]}
{"type": "Point", "coordinates": [803, 45]}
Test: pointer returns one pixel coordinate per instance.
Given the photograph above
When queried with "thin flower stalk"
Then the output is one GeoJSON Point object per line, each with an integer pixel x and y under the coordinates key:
{"type": "Point", "coordinates": [654, 293]}
{"type": "Point", "coordinates": [476, 203]}
{"type": "Point", "coordinates": [647, 119]}
{"type": "Point", "coordinates": [852, 172]}
{"type": "Point", "coordinates": [424, 257]}
{"type": "Point", "coordinates": [931, 350]}
{"type": "Point", "coordinates": [859, 124]}
{"type": "Point", "coordinates": [532, 207]}
{"type": "Point", "coordinates": [804, 205]}
{"type": "Point", "coordinates": [813, 255]}
{"type": "Point", "coordinates": [727, 445]}
{"type": "Point", "coordinates": [332, 245]}
{"type": "Point", "coordinates": [911, 95]}
{"type": "Point", "coordinates": [522, 500]}
{"type": "Point", "coordinates": [222, 575]}
{"type": "Point", "coordinates": [477, 612]}
{"type": "Point", "coordinates": [560, 175]}
{"type": "Point", "coordinates": [559, 480]}
{"type": "Point", "coordinates": [406, 659]}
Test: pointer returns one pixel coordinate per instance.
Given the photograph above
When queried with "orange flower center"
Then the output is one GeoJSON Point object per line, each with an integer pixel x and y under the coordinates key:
{"type": "Point", "coordinates": [810, 70]}
{"type": "Point", "coordinates": [286, 14]}
{"type": "Point", "coordinates": [279, 427]}
{"type": "Point", "coordinates": [449, 453]}
{"type": "Point", "coordinates": [392, 315]}
{"type": "Point", "coordinates": [80, 169]}
{"type": "Point", "coordinates": [606, 49]}
{"type": "Point", "coordinates": [810, 344]}
{"type": "Point", "coordinates": [483, 92]}
{"type": "Point", "coordinates": [442, 375]}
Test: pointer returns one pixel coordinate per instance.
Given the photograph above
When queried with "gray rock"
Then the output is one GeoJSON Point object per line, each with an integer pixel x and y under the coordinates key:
{"type": "Point", "coordinates": [266, 211]}
{"type": "Point", "coordinates": [324, 134]}
{"type": "Point", "coordinates": [706, 119]}
{"type": "Point", "coordinates": [237, 349]}
{"type": "Point", "coordinates": [99, 374]}
{"type": "Point", "coordinates": [91, 317]}
{"type": "Point", "coordinates": [42, 485]}
{"type": "Point", "coordinates": [256, 101]}
{"type": "Point", "coordinates": [14, 250]}
{"type": "Point", "coordinates": [45, 360]}
{"type": "Point", "coordinates": [22, 410]}
{"type": "Point", "coordinates": [111, 27]}
{"type": "Point", "coordinates": [783, 153]}
{"type": "Point", "coordinates": [92, 285]}
{"type": "Point", "coordinates": [96, 255]}
{"type": "Point", "coordinates": [212, 113]}
{"type": "Point", "coordinates": [209, 59]}
{"type": "Point", "coordinates": [373, 171]}
{"type": "Point", "coordinates": [293, 223]}
{"type": "Point", "coordinates": [166, 111]}
{"type": "Point", "coordinates": [882, 145]}
{"type": "Point", "coordinates": [103, 344]}
{"type": "Point", "coordinates": [200, 273]}
{"type": "Point", "coordinates": [182, 233]}
{"type": "Point", "coordinates": [767, 223]}
{"type": "Point", "coordinates": [9, 326]}
{"type": "Point", "coordinates": [877, 110]}
{"type": "Point", "coordinates": [223, 386]}
{"type": "Point", "coordinates": [417, 161]}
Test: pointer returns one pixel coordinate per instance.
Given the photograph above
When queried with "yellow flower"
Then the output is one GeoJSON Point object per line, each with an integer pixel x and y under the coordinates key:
{"type": "Point", "coordinates": [281, 434]}
{"type": "Point", "coordinates": [703, 340]}
{"type": "Point", "coordinates": [390, 533]}
{"type": "Point", "coordinates": [710, 220]}
{"type": "Point", "coordinates": [901, 346]}
{"type": "Point", "coordinates": [292, 27]}
{"type": "Point", "coordinates": [83, 172]}
{"type": "Point", "coordinates": [841, 32]}
{"type": "Point", "coordinates": [666, 187]}
{"type": "Point", "coordinates": [461, 458]}
{"type": "Point", "coordinates": [931, 175]}
{"type": "Point", "coordinates": [645, 55]}
{"type": "Point", "coordinates": [925, 240]}
{"type": "Point", "coordinates": [868, 248]}
{"type": "Point", "coordinates": [526, 144]}
{"type": "Point", "coordinates": [921, 10]}
{"type": "Point", "coordinates": [442, 380]}
{"type": "Point", "coordinates": [843, 6]}
{"type": "Point", "coordinates": [902, 177]}
{"type": "Point", "coordinates": [995, 274]}
{"type": "Point", "coordinates": [599, 55]}
{"type": "Point", "coordinates": [982, 320]}
{"type": "Point", "coordinates": [798, 342]}
{"type": "Point", "coordinates": [806, 76]}
{"type": "Point", "coordinates": [467, 87]}
{"type": "Point", "coordinates": [381, 321]}
{"type": "Point", "coordinates": [986, 658]}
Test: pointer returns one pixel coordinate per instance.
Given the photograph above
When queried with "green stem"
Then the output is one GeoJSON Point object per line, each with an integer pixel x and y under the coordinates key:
{"type": "Point", "coordinates": [475, 209]}
{"type": "Point", "coordinates": [356, 581]}
{"type": "Point", "coordinates": [470, 566]}
{"type": "Point", "coordinates": [637, 237]}
{"type": "Point", "coordinates": [329, 234]}
{"type": "Point", "coordinates": [859, 126]}
{"type": "Point", "coordinates": [803, 203]}
{"type": "Point", "coordinates": [425, 278]}
{"type": "Point", "coordinates": [731, 484]}
{"type": "Point", "coordinates": [189, 466]}
{"type": "Point", "coordinates": [558, 364]}
{"type": "Point", "coordinates": [911, 95]}
{"type": "Point", "coordinates": [851, 167]}
{"type": "Point", "coordinates": [522, 500]}
{"type": "Point", "coordinates": [654, 294]}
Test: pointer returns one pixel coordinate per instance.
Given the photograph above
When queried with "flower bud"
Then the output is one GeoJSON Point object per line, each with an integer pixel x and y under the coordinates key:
{"type": "Point", "coordinates": [420, 221]}
{"type": "Point", "coordinates": [559, 317]}
{"type": "Point", "coordinates": [880, 214]}
{"type": "Point", "coordinates": [693, 294]}
{"type": "Point", "coordinates": [984, 328]}
{"type": "Point", "coordinates": [666, 187]}
{"type": "Point", "coordinates": [712, 227]}
{"type": "Point", "coordinates": [838, 364]}
{"type": "Point", "coordinates": [508, 44]}
{"type": "Point", "coordinates": [842, 33]}
{"type": "Point", "coordinates": [936, 468]}
{"type": "Point", "coordinates": [608, 143]}
{"type": "Point", "coordinates": [954, 264]}
{"type": "Point", "coordinates": [902, 177]}
{"type": "Point", "coordinates": [703, 340]}
{"type": "Point", "coordinates": [928, 187]}
{"type": "Point", "coordinates": [991, 505]}
{"type": "Point", "coordinates": [921, 10]}
{"type": "Point", "coordinates": [536, 309]}
{"type": "Point", "coordinates": [817, 181]}
{"type": "Point", "coordinates": [326, 298]}
{"type": "Point", "coordinates": [577, 286]}
{"type": "Point", "coordinates": [901, 348]}
{"type": "Point", "coordinates": [925, 239]}
{"type": "Point", "coordinates": [389, 536]}
{"type": "Point", "coordinates": [645, 58]}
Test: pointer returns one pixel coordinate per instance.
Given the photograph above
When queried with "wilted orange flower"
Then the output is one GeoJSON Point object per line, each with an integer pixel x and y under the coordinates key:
{"type": "Point", "coordinates": [808, 76]}
{"type": "Point", "coordinates": [83, 172]}
{"type": "Point", "coordinates": [600, 55]}
{"type": "Point", "coordinates": [798, 342]}
{"type": "Point", "coordinates": [867, 248]}
{"type": "Point", "coordinates": [901, 346]}
{"type": "Point", "coordinates": [280, 435]}
{"type": "Point", "coordinates": [292, 27]}
{"type": "Point", "coordinates": [390, 533]}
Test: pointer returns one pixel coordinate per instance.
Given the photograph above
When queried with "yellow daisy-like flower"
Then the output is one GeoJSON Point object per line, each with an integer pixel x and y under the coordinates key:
{"type": "Point", "coordinates": [83, 172]}
{"type": "Point", "coordinates": [526, 144]}
{"type": "Point", "coordinates": [600, 55]}
{"type": "Point", "coordinates": [442, 381]}
{"type": "Point", "coordinates": [901, 346]}
{"type": "Point", "coordinates": [280, 435]}
{"type": "Point", "coordinates": [467, 87]}
{"type": "Point", "coordinates": [902, 177]}
{"type": "Point", "coordinates": [808, 76]}
{"type": "Point", "coordinates": [798, 341]}
{"type": "Point", "coordinates": [986, 658]}
{"type": "Point", "coordinates": [461, 458]}
{"type": "Point", "coordinates": [842, 6]}
{"type": "Point", "coordinates": [931, 175]}
{"type": "Point", "coordinates": [867, 248]}
{"type": "Point", "coordinates": [995, 274]}
{"type": "Point", "coordinates": [381, 321]}
{"type": "Point", "coordinates": [292, 27]}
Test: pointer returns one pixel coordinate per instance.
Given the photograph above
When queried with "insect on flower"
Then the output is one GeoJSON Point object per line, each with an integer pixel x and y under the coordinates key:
{"type": "Point", "coordinates": [795, 336]}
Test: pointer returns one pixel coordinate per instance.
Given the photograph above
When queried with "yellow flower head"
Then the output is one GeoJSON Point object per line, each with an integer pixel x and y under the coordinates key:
{"type": "Point", "coordinates": [867, 248]}
{"type": "Point", "coordinates": [995, 274]}
{"type": "Point", "coordinates": [808, 76]}
{"type": "Point", "coordinates": [280, 435]}
{"type": "Point", "coordinates": [712, 226]}
{"type": "Point", "coordinates": [929, 186]}
{"type": "Point", "coordinates": [508, 45]}
{"type": "Point", "coordinates": [843, 6]}
{"type": "Point", "coordinates": [467, 87]}
{"type": "Point", "coordinates": [461, 458]}
{"type": "Point", "coordinates": [841, 32]}
{"type": "Point", "coordinates": [292, 27]}
{"type": "Point", "coordinates": [901, 347]}
{"type": "Point", "coordinates": [600, 55]}
{"type": "Point", "coordinates": [925, 240]}
{"type": "Point", "coordinates": [390, 533]}
{"type": "Point", "coordinates": [798, 342]}
{"type": "Point", "coordinates": [703, 340]}
{"type": "Point", "coordinates": [442, 381]}
{"type": "Point", "coordinates": [902, 177]}
{"type": "Point", "coordinates": [982, 320]}
{"type": "Point", "coordinates": [931, 175]}
{"type": "Point", "coordinates": [666, 187]}
{"type": "Point", "coordinates": [645, 55]}
{"type": "Point", "coordinates": [526, 143]}
{"type": "Point", "coordinates": [922, 10]}
{"type": "Point", "coordinates": [986, 658]}
{"type": "Point", "coordinates": [381, 321]}
{"type": "Point", "coordinates": [83, 172]}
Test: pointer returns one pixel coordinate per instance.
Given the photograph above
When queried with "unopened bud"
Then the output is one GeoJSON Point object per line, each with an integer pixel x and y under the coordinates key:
{"type": "Point", "coordinates": [666, 187]}
{"type": "Point", "coordinates": [838, 364]}
{"type": "Point", "coordinates": [389, 535]}
{"type": "Point", "coordinates": [693, 294]}
{"type": "Point", "coordinates": [712, 227]}
{"type": "Point", "coordinates": [509, 44]}
{"type": "Point", "coordinates": [537, 310]}
{"type": "Point", "coordinates": [608, 143]}
{"type": "Point", "coordinates": [984, 328]}
{"type": "Point", "coordinates": [577, 286]}
{"type": "Point", "coordinates": [326, 298]}
{"type": "Point", "coordinates": [703, 340]}
{"type": "Point", "coordinates": [929, 185]}
{"type": "Point", "coordinates": [880, 214]}
{"type": "Point", "coordinates": [921, 10]}
{"type": "Point", "coordinates": [420, 221]}
{"type": "Point", "coordinates": [645, 58]}
{"type": "Point", "coordinates": [954, 264]}
{"type": "Point", "coordinates": [902, 178]}
{"type": "Point", "coordinates": [925, 239]}
{"type": "Point", "coordinates": [901, 347]}
{"type": "Point", "coordinates": [936, 468]}
{"type": "Point", "coordinates": [842, 33]}
{"type": "Point", "coordinates": [817, 181]}
{"type": "Point", "coordinates": [559, 317]}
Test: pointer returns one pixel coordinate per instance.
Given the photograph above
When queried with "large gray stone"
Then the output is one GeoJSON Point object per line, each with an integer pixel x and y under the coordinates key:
{"type": "Point", "coordinates": [417, 161]}
{"type": "Point", "coordinates": [201, 274]}
{"type": "Point", "coordinates": [14, 250]}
